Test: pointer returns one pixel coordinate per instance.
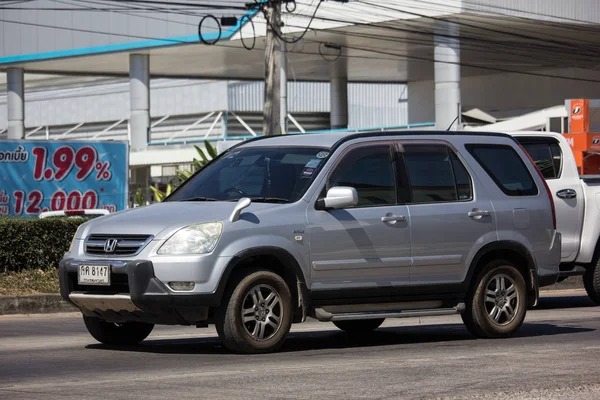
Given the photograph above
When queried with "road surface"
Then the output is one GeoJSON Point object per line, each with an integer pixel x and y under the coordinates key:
{"type": "Point", "coordinates": [556, 355]}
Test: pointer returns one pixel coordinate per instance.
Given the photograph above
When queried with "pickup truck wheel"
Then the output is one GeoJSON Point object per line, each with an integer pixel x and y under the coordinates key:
{"type": "Point", "coordinates": [497, 303]}
{"type": "Point", "coordinates": [359, 326]}
{"type": "Point", "coordinates": [591, 281]}
{"type": "Point", "coordinates": [257, 316]}
{"type": "Point", "coordinates": [127, 333]}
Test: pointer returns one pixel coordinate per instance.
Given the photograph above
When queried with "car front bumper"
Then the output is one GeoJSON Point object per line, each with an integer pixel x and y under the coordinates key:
{"type": "Point", "coordinates": [135, 294]}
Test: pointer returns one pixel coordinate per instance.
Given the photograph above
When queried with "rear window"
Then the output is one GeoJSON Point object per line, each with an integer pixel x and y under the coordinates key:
{"type": "Point", "coordinates": [504, 165]}
{"type": "Point", "coordinates": [546, 154]}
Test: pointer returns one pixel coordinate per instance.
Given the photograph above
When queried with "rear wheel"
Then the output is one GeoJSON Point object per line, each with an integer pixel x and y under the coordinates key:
{"type": "Point", "coordinates": [497, 304]}
{"type": "Point", "coordinates": [359, 326]}
{"type": "Point", "coordinates": [127, 333]}
{"type": "Point", "coordinates": [257, 316]}
{"type": "Point", "coordinates": [591, 281]}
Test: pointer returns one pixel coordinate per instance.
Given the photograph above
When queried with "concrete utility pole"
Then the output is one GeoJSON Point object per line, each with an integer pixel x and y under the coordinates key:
{"type": "Point", "coordinates": [272, 107]}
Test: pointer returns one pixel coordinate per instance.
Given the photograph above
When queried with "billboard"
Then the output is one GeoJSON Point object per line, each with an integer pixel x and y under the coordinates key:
{"type": "Point", "coordinates": [37, 176]}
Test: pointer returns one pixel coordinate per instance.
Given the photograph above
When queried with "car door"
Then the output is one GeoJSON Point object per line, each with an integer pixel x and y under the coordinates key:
{"type": "Point", "coordinates": [368, 245]}
{"type": "Point", "coordinates": [448, 217]}
{"type": "Point", "coordinates": [565, 185]}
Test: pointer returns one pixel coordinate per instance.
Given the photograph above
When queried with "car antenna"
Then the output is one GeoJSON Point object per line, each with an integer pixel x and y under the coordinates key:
{"type": "Point", "coordinates": [452, 123]}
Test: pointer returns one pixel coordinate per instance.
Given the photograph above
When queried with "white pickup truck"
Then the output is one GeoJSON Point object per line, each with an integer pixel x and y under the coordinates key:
{"type": "Point", "coordinates": [577, 203]}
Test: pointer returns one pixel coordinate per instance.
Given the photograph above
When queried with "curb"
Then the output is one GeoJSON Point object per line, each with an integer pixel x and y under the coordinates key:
{"type": "Point", "coordinates": [53, 303]}
{"type": "Point", "coordinates": [34, 304]}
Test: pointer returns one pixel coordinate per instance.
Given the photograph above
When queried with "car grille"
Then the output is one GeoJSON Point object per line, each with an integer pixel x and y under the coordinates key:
{"type": "Point", "coordinates": [126, 244]}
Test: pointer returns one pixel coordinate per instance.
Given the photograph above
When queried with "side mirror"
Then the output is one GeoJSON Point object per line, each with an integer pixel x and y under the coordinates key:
{"type": "Point", "coordinates": [339, 197]}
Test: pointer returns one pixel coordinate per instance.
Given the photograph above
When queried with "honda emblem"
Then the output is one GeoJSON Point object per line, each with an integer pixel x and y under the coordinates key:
{"type": "Point", "coordinates": [110, 245]}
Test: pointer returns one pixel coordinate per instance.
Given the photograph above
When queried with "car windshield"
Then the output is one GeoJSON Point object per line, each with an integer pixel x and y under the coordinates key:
{"type": "Point", "coordinates": [264, 174]}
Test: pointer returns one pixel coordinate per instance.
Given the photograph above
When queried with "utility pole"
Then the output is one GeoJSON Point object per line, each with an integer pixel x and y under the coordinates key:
{"type": "Point", "coordinates": [283, 94]}
{"type": "Point", "coordinates": [272, 106]}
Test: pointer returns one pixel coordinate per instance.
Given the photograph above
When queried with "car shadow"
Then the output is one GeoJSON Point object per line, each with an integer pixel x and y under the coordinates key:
{"type": "Point", "coordinates": [557, 302]}
{"type": "Point", "coordinates": [336, 340]}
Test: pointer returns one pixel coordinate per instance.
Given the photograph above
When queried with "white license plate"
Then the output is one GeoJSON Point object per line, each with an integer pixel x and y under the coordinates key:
{"type": "Point", "coordinates": [94, 275]}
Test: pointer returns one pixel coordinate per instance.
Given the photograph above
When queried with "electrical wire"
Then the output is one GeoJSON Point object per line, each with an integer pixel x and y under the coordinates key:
{"type": "Point", "coordinates": [476, 44]}
{"type": "Point", "coordinates": [249, 48]}
{"type": "Point", "coordinates": [297, 39]}
{"type": "Point", "coordinates": [210, 16]}
{"type": "Point", "coordinates": [330, 46]}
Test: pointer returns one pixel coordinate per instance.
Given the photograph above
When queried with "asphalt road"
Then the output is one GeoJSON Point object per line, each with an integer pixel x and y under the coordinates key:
{"type": "Point", "coordinates": [556, 355]}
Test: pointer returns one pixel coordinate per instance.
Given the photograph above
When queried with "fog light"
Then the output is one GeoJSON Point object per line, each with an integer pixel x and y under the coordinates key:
{"type": "Point", "coordinates": [184, 286]}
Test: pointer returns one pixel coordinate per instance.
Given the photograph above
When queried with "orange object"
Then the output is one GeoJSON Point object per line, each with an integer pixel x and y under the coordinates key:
{"type": "Point", "coordinates": [585, 144]}
{"type": "Point", "coordinates": [579, 116]}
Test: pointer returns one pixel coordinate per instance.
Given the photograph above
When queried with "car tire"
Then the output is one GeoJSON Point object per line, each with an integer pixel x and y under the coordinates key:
{"type": "Point", "coordinates": [497, 304]}
{"type": "Point", "coordinates": [127, 333]}
{"type": "Point", "coordinates": [257, 315]}
{"type": "Point", "coordinates": [591, 281]}
{"type": "Point", "coordinates": [359, 326]}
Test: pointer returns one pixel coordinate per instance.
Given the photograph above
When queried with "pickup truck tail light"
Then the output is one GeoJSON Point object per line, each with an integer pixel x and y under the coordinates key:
{"type": "Point", "coordinates": [548, 192]}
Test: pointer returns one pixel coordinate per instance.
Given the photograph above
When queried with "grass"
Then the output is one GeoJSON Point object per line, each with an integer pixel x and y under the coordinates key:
{"type": "Point", "coordinates": [29, 282]}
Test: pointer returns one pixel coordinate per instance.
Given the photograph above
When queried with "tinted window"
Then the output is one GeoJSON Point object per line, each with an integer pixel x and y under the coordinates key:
{"type": "Point", "coordinates": [369, 170]}
{"type": "Point", "coordinates": [506, 168]}
{"type": "Point", "coordinates": [547, 158]}
{"type": "Point", "coordinates": [435, 175]}
{"type": "Point", "coordinates": [265, 174]}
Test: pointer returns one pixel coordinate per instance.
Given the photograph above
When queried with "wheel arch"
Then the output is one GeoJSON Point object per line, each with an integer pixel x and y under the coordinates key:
{"type": "Point", "coordinates": [514, 252]}
{"type": "Point", "coordinates": [269, 258]}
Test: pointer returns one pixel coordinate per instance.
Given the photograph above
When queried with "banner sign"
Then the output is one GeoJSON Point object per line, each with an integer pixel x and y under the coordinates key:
{"type": "Point", "coordinates": [37, 176]}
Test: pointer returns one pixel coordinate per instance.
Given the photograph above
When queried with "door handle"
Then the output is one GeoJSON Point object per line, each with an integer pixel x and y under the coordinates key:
{"type": "Point", "coordinates": [393, 218]}
{"type": "Point", "coordinates": [477, 214]}
{"type": "Point", "coordinates": [566, 194]}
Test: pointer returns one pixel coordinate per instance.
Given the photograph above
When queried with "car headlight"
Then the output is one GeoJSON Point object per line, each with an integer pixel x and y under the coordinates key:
{"type": "Point", "coordinates": [193, 239]}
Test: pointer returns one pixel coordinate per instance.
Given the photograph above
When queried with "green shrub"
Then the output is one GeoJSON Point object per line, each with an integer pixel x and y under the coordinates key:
{"type": "Point", "coordinates": [27, 244]}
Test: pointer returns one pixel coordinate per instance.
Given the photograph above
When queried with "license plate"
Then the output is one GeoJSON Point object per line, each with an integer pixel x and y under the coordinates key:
{"type": "Point", "coordinates": [94, 275]}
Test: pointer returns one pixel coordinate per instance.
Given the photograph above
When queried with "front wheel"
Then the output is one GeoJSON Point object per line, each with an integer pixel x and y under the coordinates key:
{"type": "Point", "coordinates": [497, 304]}
{"type": "Point", "coordinates": [257, 316]}
{"type": "Point", "coordinates": [127, 333]}
{"type": "Point", "coordinates": [591, 282]}
{"type": "Point", "coordinates": [359, 326]}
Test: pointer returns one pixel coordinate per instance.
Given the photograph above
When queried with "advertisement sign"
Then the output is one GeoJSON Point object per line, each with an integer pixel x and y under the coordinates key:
{"type": "Point", "coordinates": [37, 176]}
{"type": "Point", "coordinates": [579, 116]}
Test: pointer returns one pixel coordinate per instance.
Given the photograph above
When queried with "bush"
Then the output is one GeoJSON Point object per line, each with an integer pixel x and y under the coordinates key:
{"type": "Point", "coordinates": [28, 244]}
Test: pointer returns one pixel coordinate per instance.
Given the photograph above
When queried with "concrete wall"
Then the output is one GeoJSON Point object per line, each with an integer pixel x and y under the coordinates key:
{"type": "Point", "coordinates": [505, 95]}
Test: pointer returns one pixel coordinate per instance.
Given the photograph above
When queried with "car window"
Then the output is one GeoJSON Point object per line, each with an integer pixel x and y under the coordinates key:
{"type": "Point", "coordinates": [435, 174]}
{"type": "Point", "coordinates": [504, 165]}
{"type": "Point", "coordinates": [369, 170]}
{"type": "Point", "coordinates": [547, 158]}
{"type": "Point", "coordinates": [268, 174]}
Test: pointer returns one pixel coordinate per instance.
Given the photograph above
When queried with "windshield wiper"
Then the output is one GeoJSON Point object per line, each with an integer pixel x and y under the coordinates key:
{"type": "Point", "coordinates": [199, 198]}
{"type": "Point", "coordinates": [269, 200]}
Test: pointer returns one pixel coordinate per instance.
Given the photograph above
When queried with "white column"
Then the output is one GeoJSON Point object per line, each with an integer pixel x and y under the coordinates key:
{"type": "Point", "coordinates": [447, 76]}
{"type": "Point", "coordinates": [139, 88]}
{"type": "Point", "coordinates": [339, 94]}
{"type": "Point", "coordinates": [283, 94]}
{"type": "Point", "coordinates": [15, 103]}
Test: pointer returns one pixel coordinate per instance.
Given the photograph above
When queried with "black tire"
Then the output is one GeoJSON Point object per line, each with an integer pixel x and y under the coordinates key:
{"type": "Point", "coordinates": [360, 325]}
{"type": "Point", "coordinates": [127, 333]}
{"type": "Point", "coordinates": [591, 281]}
{"type": "Point", "coordinates": [477, 316]}
{"type": "Point", "coordinates": [236, 334]}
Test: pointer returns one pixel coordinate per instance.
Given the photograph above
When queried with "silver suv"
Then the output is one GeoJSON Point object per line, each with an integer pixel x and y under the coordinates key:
{"type": "Point", "coordinates": [347, 228]}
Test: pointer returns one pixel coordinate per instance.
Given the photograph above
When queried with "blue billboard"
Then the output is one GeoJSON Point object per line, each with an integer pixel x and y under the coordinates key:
{"type": "Point", "coordinates": [37, 176]}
